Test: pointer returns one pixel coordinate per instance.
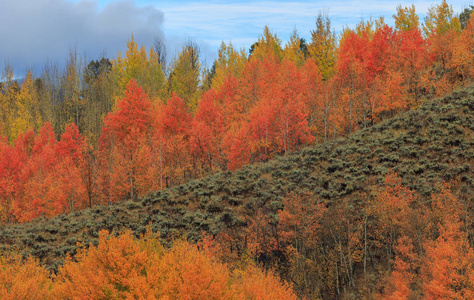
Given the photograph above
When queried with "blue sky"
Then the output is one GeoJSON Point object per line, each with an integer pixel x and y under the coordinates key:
{"type": "Point", "coordinates": [45, 30]}
{"type": "Point", "coordinates": [211, 22]}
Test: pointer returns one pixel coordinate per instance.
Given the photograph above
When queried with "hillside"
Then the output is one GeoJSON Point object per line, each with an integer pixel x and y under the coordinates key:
{"type": "Point", "coordinates": [425, 147]}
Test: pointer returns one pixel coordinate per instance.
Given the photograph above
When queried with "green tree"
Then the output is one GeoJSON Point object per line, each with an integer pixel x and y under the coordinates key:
{"type": "Point", "coordinates": [267, 45]}
{"type": "Point", "coordinates": [440, 19]}
{"type": "Point", "coordinates": [323, 46]}
{"type": "Point", "coordinates": [185, 77]}
{"type": "Point", "coordinates": [406, 19]}
{"type": "Point", "coordinates": [141, 66]}
{"type": "Point", "coordinates": [296, 49]}
{"type": "Point", "coordinates": [465, 16]}
{"type": "Point", "coordinates": [230, 61]}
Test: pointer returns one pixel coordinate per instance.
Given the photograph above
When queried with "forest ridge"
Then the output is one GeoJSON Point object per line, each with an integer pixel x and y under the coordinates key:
{"type": "Point", "coordinates": [383, 213]}
{"type": "Point", "coordinates": [116, 130]}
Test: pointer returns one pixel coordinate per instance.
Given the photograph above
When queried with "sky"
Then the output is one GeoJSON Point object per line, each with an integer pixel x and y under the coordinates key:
{"type": "Point", "coordinates": [36, 32]}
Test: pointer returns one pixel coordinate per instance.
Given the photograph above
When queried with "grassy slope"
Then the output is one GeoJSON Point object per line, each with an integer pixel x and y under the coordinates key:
{"type": "Point", "coordinates": [425, 146]}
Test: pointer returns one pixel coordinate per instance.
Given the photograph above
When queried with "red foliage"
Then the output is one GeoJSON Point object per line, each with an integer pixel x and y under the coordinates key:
{"type": "Point", "coordinates": [122, 140]}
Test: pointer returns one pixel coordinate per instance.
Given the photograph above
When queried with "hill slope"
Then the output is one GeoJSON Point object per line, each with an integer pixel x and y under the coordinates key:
{"type": "Point", "coordinates": [425, 147]}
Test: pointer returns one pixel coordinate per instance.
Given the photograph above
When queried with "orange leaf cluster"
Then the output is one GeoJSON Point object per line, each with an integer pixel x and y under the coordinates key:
{"type": "Point", "coordinates": [122, 267]}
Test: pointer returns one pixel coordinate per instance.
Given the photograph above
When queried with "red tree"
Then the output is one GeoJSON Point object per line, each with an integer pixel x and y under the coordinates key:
{"type": "Point", "coordinates": [40, 193]}
{"type": "Point", "coordinates": [123, 136]}
{"type": "Point", "coordinates": [10, 167]}
{"type": "Point", "coordinates": [206, 132]}
{"type": "Point", "coordinates": [171, 136]}
{"type": "Point", "coordinates": [71, 169]}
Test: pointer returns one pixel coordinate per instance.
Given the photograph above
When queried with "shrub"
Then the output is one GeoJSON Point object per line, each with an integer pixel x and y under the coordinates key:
{"type": "Point", "coordinates": [124, 267]}
{"type": "Point", "coordinates": [22, 279]}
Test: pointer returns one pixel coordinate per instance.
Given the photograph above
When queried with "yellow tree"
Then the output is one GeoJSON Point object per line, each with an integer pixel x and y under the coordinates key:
{"type": "Point", "coordinates": [368, 27]}
{"type": "Point", "coordinates": [230, 61]}
{"type": "Point", "coordinates": [406, 19]}
{"type": "Point", "coordinates": [442, 29]}
{"type": "Point", "coordinates": [23, 279]}
{"type": "Point", "coordinates": [151, 78]}
{"type": "Point", "coordinates": [27, 114]}
{"type": "Point", "coordinates": [296, 50]}
{"type": "Point", "coordinates": [184, 79]}
{"type": "Point", "coordinates": [144, 68]}
{"type": "Point", "coordinates": [8, 96]}
{"type": "Point", "coordinates": [323, 46]}
{"type": "Point", "coordinates": [268, 44]}
{"type": "Point", "coordinates": [441, 18]}
{"type": "Point", "coordinates": [126, 68]}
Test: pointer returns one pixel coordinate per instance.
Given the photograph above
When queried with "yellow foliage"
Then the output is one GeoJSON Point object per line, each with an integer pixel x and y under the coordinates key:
{"type": "Point", "coordinates": [440, 19]}
{"type": "Point", "coordinates": [230, 61]}
{"type": "Point", "coordinates": [144, 68]}
{"type": "Point", "coordinates": [185, 76]}
{"type": "Point", "coordinates": [323, 46]}
{"type": "Point", "coordinates": [406, 18]}
{"type": "Point", "coordinates": [268, 45]}
{"type": "Point", "coordinates": [22, 280]}
{"type": "Point", "coordinates": [293, 50]}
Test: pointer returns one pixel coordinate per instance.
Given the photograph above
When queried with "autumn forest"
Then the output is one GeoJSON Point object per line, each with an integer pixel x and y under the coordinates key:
{"type": "Point", "coordinates": [339, 167]}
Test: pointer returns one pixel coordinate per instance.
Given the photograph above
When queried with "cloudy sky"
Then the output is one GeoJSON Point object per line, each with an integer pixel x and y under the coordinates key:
{"type": "Point", "coordinates": [36, 31]}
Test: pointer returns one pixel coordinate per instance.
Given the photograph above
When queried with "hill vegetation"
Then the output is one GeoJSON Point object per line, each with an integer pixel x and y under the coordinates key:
{"type": "Point", "coordinates": [123, 267]}
{"type": "Point", "coordinates": [339, 187]}
{"type": "Point", "coordinates": [344, 166]}
{"type": "Point", "coordinates": [110, 131]}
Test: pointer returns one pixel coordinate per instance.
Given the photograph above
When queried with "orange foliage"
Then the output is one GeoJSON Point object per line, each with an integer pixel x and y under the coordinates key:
{"type": "Point", "coordinates": [206, 132]}
{"type": "Point", "coordinates": [449, 269]}
{"type": "Point", "coordinates": [71, 169]}
{"type": "Point", "coordinates": [300, 220]}
{"type": "Point", "coordinates": [22, 279]}
{"type": "Point", "coordinates": [252, 283]}
{"type": "Point", "coordinates": [403, 273]}
{"type": "Point", "coordinates": [40, 195]}
{"type": "Point", "coordinates": [10, 167]}
{"type": "Point", "coordinates": [172, 126]}
{"type": "Point", "coordinates": [122, 142]}
{"type": "Point", "coordinates": [118, 267]}
{"type": "Point", "coordinates": [123, 267]}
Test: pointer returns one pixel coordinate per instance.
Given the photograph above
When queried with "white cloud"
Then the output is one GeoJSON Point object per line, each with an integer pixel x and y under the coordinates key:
{"type": "Point", "coordinates": [37, 30]}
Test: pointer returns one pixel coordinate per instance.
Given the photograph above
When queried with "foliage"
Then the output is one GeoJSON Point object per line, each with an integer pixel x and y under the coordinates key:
{"type": "Point", "coordinates": [358, 215]}
{"type": "Point", "coordinates": [339, 188]}
{"type": "Point", "coordinates": [22, 279]}
{"type": "Point", "coordinates": [124, 267]}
